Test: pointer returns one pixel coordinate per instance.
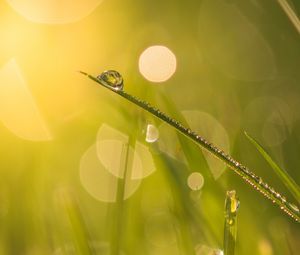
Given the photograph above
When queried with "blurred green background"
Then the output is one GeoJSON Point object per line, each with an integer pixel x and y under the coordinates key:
{"type": "Point", "coordinates": [82, 171]}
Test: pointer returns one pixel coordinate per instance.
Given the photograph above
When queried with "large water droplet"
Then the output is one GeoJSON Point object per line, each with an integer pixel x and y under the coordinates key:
{"type": "Point", "coordinates": [112, 79]}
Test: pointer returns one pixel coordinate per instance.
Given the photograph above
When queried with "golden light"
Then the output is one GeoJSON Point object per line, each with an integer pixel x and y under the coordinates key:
{"type": "Point", "coordinates": [111, 151]}
{"type": "Point", "coordinates": [18, 110]}
{"type": "Point", "coordinates": [157, 63]}
{"type": "Point", "coordinates": [54, 12]}
{"type": "Point", "coordinates": [99, 182]}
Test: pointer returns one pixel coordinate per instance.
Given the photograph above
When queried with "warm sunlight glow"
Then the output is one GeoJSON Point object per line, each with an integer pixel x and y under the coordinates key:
{"type": "Point", "coordinates": [99, 182]}
{"type": "Point", "coordinates": [112, 152]}
{"type": "Point", "coordinates": [18, 110]}
{"type": "Point", "coordinates": [157, 63]}
{"type": "Point", "coordinates": [54, 12]}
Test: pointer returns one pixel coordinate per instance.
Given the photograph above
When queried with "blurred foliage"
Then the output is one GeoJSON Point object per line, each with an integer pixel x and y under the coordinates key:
{"type": "Point", "coordinates": [237, 61]}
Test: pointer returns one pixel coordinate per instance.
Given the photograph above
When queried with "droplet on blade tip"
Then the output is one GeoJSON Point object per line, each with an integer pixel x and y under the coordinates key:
{"type": "Point", "coordinates": [111, 79]}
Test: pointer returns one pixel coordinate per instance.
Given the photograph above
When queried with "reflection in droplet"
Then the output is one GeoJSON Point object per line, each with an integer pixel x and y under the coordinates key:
{"type": "Point", "coordinates": [233, 44]}
{"type": "Point", "coordinates": [18, 109]}
{"type": "Point", "coordinates": [195, 181]}
{"type": "Point", "coordinates": [157, 63]}
{"type": "Point", "coordinates": [110, 151]}
{"type": "Point", "coordinates": [54, 12]}
{"type": "Point", "coordinates": [233, 201]}
{"type": "Point", "coordinates": [99, 182]}
{"type": "Point", "coordinates": [202, 249]}
{"type": "Point", "coordinates": [160, 229]}
{"type": "Point", "coordinates": [208, 127]}
{"type": "Point", "coordinates": [111, 79]}
{"type": "Point", "coordinates": [152, 133]}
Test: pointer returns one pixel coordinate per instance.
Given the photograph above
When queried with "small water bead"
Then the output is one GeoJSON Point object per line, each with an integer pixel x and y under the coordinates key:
{"type": "Point", "coordinates": [111, 79]}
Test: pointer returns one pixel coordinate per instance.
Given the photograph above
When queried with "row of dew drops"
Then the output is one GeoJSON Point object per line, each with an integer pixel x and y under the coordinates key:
{"type": "Point", "coordinates": [114, 80]}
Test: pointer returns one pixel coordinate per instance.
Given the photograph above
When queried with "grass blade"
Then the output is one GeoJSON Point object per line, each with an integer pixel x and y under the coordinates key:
{"type": "Point", "coordinates": [290, 13]}
{"type": "Point", "coordinates": [230, 227]}
{"type": "Point", "coordinates": [282, 174]}
{"type": "Point", "coordinates": [255, 181]}
{"type": "Point", "coordinates": [117, 229]}
{"type": "Point", "coordinates": [80, 232]}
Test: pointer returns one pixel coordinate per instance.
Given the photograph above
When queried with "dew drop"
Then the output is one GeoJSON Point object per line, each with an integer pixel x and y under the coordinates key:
{"type": "Point", "coordinates": [232, 202]}
{"type": "Point", "coordinates": [111, 79]}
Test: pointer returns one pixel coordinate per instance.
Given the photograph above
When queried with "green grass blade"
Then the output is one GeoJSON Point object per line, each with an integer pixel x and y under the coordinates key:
{"type": "Point", "coordinates": [116, 237]}
{"type": "Point", "coordinates": [282, 174]}
{"type": "Point", "coordinates": [230, 226]}
{"type": "Point", "coordinates": [80, 232]}
{"type": "Point", "coordinates": [255, 181]}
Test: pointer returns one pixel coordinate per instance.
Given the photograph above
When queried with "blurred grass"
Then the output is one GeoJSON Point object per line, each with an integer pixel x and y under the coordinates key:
{"type": "Point", "coordinates": [232, 204]}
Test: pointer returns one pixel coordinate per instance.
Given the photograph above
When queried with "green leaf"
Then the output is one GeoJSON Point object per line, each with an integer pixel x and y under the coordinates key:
{"type": "Point", "coordinates": [287, 180]}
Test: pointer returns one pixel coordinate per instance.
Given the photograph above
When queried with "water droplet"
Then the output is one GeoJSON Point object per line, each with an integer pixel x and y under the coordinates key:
{"type": "Point", "coordinates": [232, 202]}
{"type": "Point", "coordinates": [152, 133]}
{"type": "Point", "coordinates": [112, 79]}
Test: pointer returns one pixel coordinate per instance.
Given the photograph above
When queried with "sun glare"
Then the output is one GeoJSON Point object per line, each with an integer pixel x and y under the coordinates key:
{"type": "Point", "coordinates": [18, 110]}
{"type": "Point", "coordinates": [157, 63]}
{"type": "Point", "coordinates": [54, 12]}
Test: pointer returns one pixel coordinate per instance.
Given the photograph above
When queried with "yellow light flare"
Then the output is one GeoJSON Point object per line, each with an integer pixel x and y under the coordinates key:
{"type": "Point", "coordinates": [110, 152]}
{"type": "Point", "coordinates": [157, 63]}
{"type": "Point", "coordinates": [18, 110]}
{"type": "Point", "coordinates": [52, 11]}
{"type": "Point", "coordinates": [99, 182]}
